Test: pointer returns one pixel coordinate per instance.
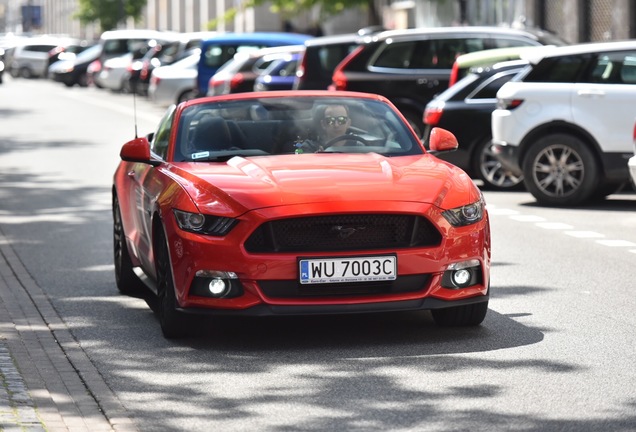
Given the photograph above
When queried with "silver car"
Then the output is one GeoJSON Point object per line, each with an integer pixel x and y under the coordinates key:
{"type": "Point", "coordinates": [174, 83]}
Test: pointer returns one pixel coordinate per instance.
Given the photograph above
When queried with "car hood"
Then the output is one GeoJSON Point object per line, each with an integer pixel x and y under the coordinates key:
{"type": "Point", "coordinates": [243, 184]}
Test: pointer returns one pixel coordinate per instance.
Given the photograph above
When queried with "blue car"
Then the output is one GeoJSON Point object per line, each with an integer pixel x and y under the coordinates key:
{"type": "Point", "coordinates": [217, 50]}
{"type": "Point", "coordinates": [280, 75]}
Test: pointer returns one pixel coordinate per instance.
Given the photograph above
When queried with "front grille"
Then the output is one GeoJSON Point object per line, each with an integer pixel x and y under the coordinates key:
{"type": "Point", "coordinates": [293, 289]}
{"type": "Point", "coordinates": [349, 232]}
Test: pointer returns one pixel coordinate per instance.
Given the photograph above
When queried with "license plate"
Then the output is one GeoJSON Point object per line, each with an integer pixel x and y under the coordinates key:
{"type": "Point", "coordinates": [348, 269]}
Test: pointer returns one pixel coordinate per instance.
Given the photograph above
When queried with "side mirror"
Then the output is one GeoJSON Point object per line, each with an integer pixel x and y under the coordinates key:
{"type": "Point", "coordinates": [137, 150]}
{"type": "Point", "coordinates": [442, 140]}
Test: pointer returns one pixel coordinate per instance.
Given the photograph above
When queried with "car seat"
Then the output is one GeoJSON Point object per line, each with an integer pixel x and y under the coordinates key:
{"type": "Point", "coordinates": [212, 134]}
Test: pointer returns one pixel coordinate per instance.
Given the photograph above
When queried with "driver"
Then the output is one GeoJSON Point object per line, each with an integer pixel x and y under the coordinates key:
{"type": "Point", "coordinates": [333, 121]}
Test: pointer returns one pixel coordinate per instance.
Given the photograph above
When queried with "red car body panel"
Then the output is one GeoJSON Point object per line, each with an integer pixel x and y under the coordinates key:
{"type": "Point", "coordinates": [256, 190]}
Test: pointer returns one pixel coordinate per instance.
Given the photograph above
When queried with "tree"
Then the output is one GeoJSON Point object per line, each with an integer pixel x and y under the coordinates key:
{"type": "Point", "coordinates": [290, 8]}
{"type": "Point", "coordinates": [109, 13]}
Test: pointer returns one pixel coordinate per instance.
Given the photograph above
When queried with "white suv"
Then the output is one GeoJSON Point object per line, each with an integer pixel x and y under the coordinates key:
{"type": "Point", "coordinates": [565, 122]}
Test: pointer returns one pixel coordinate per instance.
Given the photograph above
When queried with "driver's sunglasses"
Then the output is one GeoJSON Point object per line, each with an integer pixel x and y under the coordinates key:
{"type": "Point", "coordinates": [333, 120]}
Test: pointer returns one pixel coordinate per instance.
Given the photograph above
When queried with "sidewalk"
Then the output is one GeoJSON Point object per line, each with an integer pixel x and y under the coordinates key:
{"type": "Point", "coordinates": [47, 382]}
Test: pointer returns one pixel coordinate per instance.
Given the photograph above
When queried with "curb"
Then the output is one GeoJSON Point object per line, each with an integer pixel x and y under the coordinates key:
{"type": "Point", "coordinates": [47, 381]}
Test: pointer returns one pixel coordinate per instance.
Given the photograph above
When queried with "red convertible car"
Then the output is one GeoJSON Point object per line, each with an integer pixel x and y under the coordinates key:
{"type": "Point", "coordinates": [248, 204]}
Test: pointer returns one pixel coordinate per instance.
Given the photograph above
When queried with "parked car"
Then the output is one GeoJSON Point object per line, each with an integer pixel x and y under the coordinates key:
{"type": "Point", "coordinates": [123, 44]}
{"type": "Point", "coordinates": [562, 122]}
{"type": "Point", "coordinates": [175, 83]}
{"type": "Point", "coordinates": [115, 72]}
{"type": "Point", "coordinates": [67, 51]}
{"type": "Point", "coordinates": [239, 74]}
{"type": "Point", "coordinates": [320, 58]}
{"type": "Point", "coordinates": [218, 50]}
{"type": "Point", "coordinates": [163, 54]}
{"type": "Point", "coordinates": [465, 110]}
{"type": "Point", "coordinates": [31, 58]}
{"type": "Point", "coordinates": [411, 66]}
{"type": "Point", "coordinates": [235, 221]}
{"type": "Point", "coordinates": [75, 71]}
{"type": "Point", "coordinates": [279, 75]}
{"type": "Point", "coordinates": [465, 62]}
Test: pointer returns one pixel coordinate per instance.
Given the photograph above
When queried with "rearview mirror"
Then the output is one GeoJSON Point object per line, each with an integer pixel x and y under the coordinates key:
{"type": "Point", "coordinates": [137, 150]}
{"type": "Point", "coordinates": [442, 140]}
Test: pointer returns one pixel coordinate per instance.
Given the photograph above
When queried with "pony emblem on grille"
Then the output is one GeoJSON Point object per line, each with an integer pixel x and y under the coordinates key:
{"type": "Point", "coordinates": [346, 231]}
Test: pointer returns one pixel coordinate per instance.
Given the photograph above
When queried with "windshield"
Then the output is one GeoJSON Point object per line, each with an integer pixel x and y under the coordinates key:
{"type": "Point", "coordinates": [217, 131]}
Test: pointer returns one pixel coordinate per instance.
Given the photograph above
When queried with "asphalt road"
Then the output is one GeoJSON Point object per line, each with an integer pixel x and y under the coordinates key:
{"type": "Point", "coordinates": [557, 351]}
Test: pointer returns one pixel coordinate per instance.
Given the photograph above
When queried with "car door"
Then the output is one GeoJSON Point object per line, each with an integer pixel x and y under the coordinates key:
{"type": "Point", "coordinates": [145, 185]}
{"type": "Point", "coordinates": [604, 99]}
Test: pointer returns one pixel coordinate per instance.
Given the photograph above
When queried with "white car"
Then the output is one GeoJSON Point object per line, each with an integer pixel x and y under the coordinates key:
{"type": "Point", "coordinates": [174, 83]}
{"type": "Point", "coordinates": [564, 122]}
{"type": "Point", "coordinates": [114, 73]}
{"type": "Point", "coordinates": [31, 58]}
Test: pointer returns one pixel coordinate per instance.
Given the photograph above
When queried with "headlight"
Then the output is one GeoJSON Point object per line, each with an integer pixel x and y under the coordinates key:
{"type": "Point", "coordinates": [465, 215]}
{"type": "Point", "coordinates": [204, 224]}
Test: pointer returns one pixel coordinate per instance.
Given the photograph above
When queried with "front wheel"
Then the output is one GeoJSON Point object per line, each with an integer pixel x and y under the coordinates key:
{"type": "Point", "coordinates": [559, 169]}
{"type": "Point", "coordinates": [461, 316]}
{"type": "Point", "coordinates": [491, 172]}
{"type": "Point", "coordinates": [173, 323]}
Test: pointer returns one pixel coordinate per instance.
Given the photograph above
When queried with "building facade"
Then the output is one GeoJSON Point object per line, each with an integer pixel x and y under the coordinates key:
{"type": "Point", "coordinates": [573, 20]}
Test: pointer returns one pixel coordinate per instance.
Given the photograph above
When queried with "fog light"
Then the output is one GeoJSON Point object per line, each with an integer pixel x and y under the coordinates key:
{"type": "Point", "coordinates": [461, 277]}
{"type": "Point", "coordinates": [218, 287]}
{"type": "Point", "coordinates": [462, 274]}
{"type": "Point", "coordinates": [216, 284]}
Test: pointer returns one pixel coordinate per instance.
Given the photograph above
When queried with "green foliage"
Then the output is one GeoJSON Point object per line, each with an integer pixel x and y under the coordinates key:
{"type": "Point", "coordinates": [290, 8]}
{"type": "Point", "coordinates": [109, 13]}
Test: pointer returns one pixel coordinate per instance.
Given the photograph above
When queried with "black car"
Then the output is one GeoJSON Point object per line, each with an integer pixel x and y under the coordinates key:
{"type": "Point", "coordinates": [465, 109]}
{"type": "Point", "coordinates": [76, 71]}
{"type": "Point", "coordinates": [411, 66]}
{"type": "Point", "coordinates": [320, 58]}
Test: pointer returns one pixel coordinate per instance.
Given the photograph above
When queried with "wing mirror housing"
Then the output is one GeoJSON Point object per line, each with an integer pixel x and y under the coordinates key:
{"type": "Point", "coordinates": [441, 140]}
{"type": "Point", "coordinates": [138, 150]}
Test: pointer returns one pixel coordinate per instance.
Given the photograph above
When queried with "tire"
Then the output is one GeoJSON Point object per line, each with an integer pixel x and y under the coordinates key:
{"type": "Point", "coordinates": [127, 281]}
{"type": "Point", "coordinates": [559, 169]}
{"type": "Point", "coordinates": [82, 80]}
{"type": "Point", "coordinates": [173, 323]}
{"type": "Point", "coordinates": [25, 72]}
{"type": "Point", "coordinates": [489, 170]}
{"type": "Point", "coordinates": [461, 316]}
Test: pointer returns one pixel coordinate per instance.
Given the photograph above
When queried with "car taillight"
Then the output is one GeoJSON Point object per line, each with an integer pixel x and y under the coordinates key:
{"type": "Point", "coordinates": [154, 80]}
{"type": "Point", "coordinates": [236, 80]}
{"type": "Point", "coordinates": [302, 66]}
{"type": "Point", "coordinates": [454, 74]}
{"type": "Point", "coordinates": [433, 115]}
{"type": "Point", "coordinates": [508, 104]}
{"type": "Point", "coordinates": [339, 79]}
{"type": "Point", "coordinates": [215, 82]}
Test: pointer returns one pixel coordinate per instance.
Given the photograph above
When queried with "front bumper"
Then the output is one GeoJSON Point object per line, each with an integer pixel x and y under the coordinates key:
{"type": "Point", "coordinates": [270, 281]}
{"type": "Point", "coordinates": [263, 310]}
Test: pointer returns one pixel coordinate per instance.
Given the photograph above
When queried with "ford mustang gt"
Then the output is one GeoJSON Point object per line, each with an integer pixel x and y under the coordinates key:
{"type": "Point", "coordinates": [225, 209]}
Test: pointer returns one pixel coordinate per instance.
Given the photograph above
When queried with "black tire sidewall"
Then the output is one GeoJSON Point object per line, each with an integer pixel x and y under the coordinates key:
{"type": "Point", "coordinates": [590, 175]}
{"type": "Point", "coordinates": [477, 161]}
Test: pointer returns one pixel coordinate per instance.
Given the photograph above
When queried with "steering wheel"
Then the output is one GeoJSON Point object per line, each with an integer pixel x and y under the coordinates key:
{"type": "Point", "coordinates": [357, 138]}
